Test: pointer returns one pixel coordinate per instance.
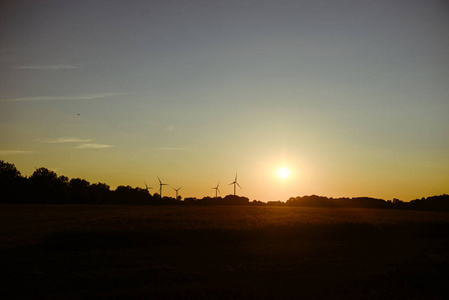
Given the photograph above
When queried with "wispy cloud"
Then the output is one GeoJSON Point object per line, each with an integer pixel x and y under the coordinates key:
{"type": "Point", "coordinates": [67, 140]}
{"type": "Point", "coordinates": [170, 148]}
{"type": "Point", "coordinates": [66, 98]}
{"type": "Point", "coordinates": [47, 67]}
{"type": "Point", "coordinates": [83, 143]}
{"type": "Point", "coordinates": [14, 152]}
{"type": "Point", "coordinates": [93, 146]}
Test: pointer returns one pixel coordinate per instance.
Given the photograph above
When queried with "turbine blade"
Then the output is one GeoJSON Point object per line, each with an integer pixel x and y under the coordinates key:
{"type": "Point", "coordinates": [238, 185]}
{"type": "Point", "coordinates": [159, 180]}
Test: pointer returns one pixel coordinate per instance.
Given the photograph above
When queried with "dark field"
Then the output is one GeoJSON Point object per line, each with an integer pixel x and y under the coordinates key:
{"type": "Point", "coordinates": [179, 252]}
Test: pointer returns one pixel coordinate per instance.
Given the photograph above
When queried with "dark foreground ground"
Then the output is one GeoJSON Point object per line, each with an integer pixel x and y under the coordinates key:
{"type": "Point", "coordinates": [141, 252]}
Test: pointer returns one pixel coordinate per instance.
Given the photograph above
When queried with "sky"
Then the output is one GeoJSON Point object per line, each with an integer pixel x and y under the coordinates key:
{"type": "Point", "coordinates": [351, 96]}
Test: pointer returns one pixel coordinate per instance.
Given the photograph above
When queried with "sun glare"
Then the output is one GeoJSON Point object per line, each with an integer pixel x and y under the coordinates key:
{"type": "Point", "coordinates": [283, 172]}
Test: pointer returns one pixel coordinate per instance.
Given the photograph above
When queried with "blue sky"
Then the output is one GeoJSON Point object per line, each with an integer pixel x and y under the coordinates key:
{"type": "Point", "coordinates": [352, 96]}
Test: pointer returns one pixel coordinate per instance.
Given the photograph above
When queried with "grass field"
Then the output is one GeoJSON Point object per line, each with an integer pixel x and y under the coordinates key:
{"type": "Point", "coordinates": [185, 252]}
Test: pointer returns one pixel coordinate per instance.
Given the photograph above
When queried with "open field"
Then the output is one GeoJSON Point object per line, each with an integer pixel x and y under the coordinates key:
{"type": "Point", "coordinates": [179, 252]}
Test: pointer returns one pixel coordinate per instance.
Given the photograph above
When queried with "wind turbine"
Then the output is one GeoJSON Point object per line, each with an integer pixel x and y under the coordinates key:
{"type": "Point", "coordinates": [235, 183]}
{"type": "Point", "coordinates": [147, 188]}
{"type": "Point", "coordinates": [177, 191]}
{"type": "Point", "coordinates": [160, 186]}
{"type": "Point", "coordinates": [216, 189]}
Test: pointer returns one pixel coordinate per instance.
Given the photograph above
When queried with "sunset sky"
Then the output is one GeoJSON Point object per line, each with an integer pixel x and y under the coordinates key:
{"type": "Point", "coordinates": [351, 96]}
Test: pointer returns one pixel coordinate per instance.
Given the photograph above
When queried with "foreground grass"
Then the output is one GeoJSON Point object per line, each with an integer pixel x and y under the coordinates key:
{"type": "Point", "coordinates": [104, 252]}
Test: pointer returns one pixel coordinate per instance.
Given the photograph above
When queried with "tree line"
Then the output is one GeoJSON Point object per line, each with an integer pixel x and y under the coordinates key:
{"type": "Point", "coordinates": [44, 186]}
{"type": "Point", "coordinates": [435, 203]}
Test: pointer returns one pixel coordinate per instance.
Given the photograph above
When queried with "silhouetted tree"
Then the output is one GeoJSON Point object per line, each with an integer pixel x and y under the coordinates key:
{"type": "Point", "coordinates": [79, 191]}
{"type": "Point", "coordinates": [48, 187]}
{"type": "Point", "coordinates": [437, 203]}
{"type": "Point", "coordinates": [235, 200]}
{"type": "Point", "coordinates": [8, 171]}
{"type": "Point", "coordinates": [130, 195]}
{"type": "Point", "coordinates": [12, 184]}
{"type": "Point", "coordinates": [276, 203]}
{"type": "Point", "coordinates": [190, 200]}
{"type": "Point", "coordinates": [257, 203]}
{"type": "Point", "coordinates": [310, 201]}
{"type": "Point", "coordinates": [99, 193]}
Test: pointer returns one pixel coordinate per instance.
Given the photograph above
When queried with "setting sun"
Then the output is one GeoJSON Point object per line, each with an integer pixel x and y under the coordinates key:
{"type": "Point", "coordinates": [283, 172]}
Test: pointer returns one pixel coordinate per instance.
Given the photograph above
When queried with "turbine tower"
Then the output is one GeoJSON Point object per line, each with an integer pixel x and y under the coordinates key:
{"type": "Point", "coordinates": [216, 189]}
{"type": "Point", "coordinates": [160, 186]}
{"type": "Point", "coordinates": [177, 191]}
{"type": "Point", "coordinates": [235, 183]}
